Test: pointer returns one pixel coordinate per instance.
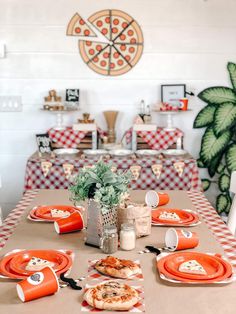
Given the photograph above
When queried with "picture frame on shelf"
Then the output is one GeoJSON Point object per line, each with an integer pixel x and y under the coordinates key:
{"type": "Point", "coordinates": [72, 95]}
{"type": "Point", "coordinates": [172, 93]}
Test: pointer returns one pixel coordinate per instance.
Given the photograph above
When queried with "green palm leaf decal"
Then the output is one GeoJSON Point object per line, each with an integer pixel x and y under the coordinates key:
{"type": "Point", "coordinates": [211, 145]}
{"type": "Point", "coordinates": [220, 168]}
{"type": "Point", "coordinates": [230, 158]}
{"type": "Point", "coordinates": [205, 117]}
{"type": "Point", "coordinates": [200, 164]}
{"type": "Point", "coordinates": [214, 164]}
{"type": "Point", "coordinates": [206, 184]}
{"type": "Point", "coordinates": [225, 117]}
{"type": "Point", "coordinates": [223, 203]}
{"type": "Point", "coordinates": [224, 182]}
{"type": "Point", "coordinates": [218, 95]}
{"type": "Point", "coordinates": [232, 72]}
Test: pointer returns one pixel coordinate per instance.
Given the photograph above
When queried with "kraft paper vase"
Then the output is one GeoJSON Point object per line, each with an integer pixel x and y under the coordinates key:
{"type": "Point", "coordinates": [110, 117]}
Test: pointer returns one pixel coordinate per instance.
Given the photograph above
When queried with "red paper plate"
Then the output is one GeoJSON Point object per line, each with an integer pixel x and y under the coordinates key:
{"type": "Point", "coordinates": [5, 269]}
{"type": "Point", "coordinates": [185, 216]}
{"type": "Point", "coordinates": [172, 223]}
{"type": "Point", "coordinates": [44, 212]}
{"type": "Point", "coordinates": [33, 216]}
{"type": "Point", "coordinates": [211, 265]}
{"type": "Point", "coordinates": [19, 262]}
{"type": "Point", "coordinates": [226, 274]}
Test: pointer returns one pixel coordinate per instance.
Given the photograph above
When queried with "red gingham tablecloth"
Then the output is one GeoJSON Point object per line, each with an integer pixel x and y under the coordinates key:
{"type": "Point", "coordinates": [169, 178]}
{"type": "Point", "coordinates": [207, 212]}
{"type": "Point", "coordinates": [69, 138]}
{"type": "Point", "coordinates": [159, 139]}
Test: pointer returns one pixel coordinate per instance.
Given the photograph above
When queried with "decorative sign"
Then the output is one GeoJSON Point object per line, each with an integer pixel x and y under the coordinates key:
{"type": "Point", "coordinates": [171, 94]}
{"type": "Point", "coordinates": [72, 95]}
{"type": "Point", "coordinates": [44, 143]}
{"type": "Point", "coordinates": [119, 50]}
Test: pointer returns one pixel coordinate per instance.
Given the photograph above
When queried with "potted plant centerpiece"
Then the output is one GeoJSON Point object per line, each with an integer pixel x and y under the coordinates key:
{"type": "Point", "coordinates": [104, 189]}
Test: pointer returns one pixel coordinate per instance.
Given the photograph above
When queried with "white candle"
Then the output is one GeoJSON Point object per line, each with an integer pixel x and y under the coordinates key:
{"type": "Point", "coordinates": [127, 237]}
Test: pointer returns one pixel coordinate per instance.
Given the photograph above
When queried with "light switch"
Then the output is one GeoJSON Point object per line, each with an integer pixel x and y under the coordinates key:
{"type": "Point", "coordinates": [10, 103]}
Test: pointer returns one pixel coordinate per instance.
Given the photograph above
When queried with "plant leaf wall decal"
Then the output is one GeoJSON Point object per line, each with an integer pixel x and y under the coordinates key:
{"type": "Point", "coordinates": [225, 118]}
{"type": "Point", "coordinates": [218, 95]}
{"type": "Point", "coordinates": [205, 117]}
{"type": "Point", "coordinates": [232, 72]}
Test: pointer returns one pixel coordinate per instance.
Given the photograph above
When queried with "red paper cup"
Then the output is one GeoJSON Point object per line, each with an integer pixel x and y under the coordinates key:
{"type": "Point", "coordinates": [69, 224]}
{"type": "Point", "coordinates": [154, 199]}
{"type": "Point", "coordinates": [181, 239]}
{"type": "Point", "coordinates": [183, 104]}
{"type": "Point", "coordinates": [38, 285]}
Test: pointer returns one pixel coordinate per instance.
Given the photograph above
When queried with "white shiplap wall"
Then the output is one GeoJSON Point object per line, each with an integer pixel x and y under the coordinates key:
{"type": "Point", "coordinates": [186, 41]}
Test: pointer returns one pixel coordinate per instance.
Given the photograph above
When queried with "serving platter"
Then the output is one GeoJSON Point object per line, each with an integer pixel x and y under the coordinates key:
{"type": "Point", "coordinates": [121, 152]}
{"type": "Point", "coordinates": [95, 152]}
{"type": "Point", "coordinates": [147, 152]}
{"type": "Point", "coordinates": [66, 151]}
{"type": "Point", "coordinates": [174, 152]}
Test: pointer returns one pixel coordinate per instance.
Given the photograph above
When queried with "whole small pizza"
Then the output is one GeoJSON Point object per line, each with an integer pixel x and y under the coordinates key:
{"type": "Point", "coordinates": [112, 295]}
{"type": "Point", "coordinates": [118, 268]}
{"type": "Point", "coordinates": [120, 43]}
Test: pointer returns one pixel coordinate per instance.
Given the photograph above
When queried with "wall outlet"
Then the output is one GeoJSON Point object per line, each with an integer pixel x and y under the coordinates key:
{"type": "Point", "coordinates": [10, 103]}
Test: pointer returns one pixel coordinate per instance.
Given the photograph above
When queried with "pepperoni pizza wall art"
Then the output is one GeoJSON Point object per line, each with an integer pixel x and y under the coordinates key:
{"type": "Point", "coordinates": [110, 43]}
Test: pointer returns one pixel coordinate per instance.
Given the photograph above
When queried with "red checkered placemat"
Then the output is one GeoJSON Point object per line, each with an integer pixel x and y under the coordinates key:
{"type": "Point", "coordinates": [137, 308]}
{"type": "Point", "coordinates": [160, 139]}
{"type": "Point", "coordinates": [14, 217]}
{"type": "Point", "coordinates": [215, 224]}
{"type": "Point", "coordinates": [93, 274]}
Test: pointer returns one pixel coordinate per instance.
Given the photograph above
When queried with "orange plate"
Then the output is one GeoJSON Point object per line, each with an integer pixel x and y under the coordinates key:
{"type": "Point", "coordinates": [5, 269]}
{"type": "Point", "coordinates": [226, 274]}
{"type": "Point", "coordinates": [212, 266]}
{"type": "Point", "coordinates": [194, 220]}
{"type": "Point", "coordinates": [184, 216]}
{"type": "Point", "coordinates": [18, 262]}
{"type": "Point", "coordinates": [33, 216]}
{"type": "Point", "coordinates": [44, 212]}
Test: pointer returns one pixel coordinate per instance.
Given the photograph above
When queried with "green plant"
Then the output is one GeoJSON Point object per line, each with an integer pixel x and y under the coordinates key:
{"type": "Point", "coordinates": [101, 184]}
{"type": "Point", "coordinates": [218, 146]}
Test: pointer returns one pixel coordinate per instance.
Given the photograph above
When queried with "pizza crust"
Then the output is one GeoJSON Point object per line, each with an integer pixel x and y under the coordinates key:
{"type": "Point", "coordinates": [117, 268]}
{"type": "Point", "coordinates": [112, 295]}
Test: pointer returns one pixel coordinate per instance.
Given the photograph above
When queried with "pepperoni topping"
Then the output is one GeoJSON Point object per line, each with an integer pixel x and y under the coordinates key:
{"type": "Point", "coordinates": [116, 55]}
{"type": "Point", "coordinates": [114, 30]}
{"type": "Point", "coordinates": [103, 63]}
{"type": "Point", "coordinates": [95, 59]}
{"type": "Point", "coordinates": [78, 30]}
{"type": "Point", "coordinates": [116, 22]}
{"type": "Point", "coordinates": [124, 24]}
{"type": "Point", "coordinates": [99, 23]}
{"type": "Point", "coordinates": [104, 31]}
{"type": "Point", "coordinates": [82, 22]}
{"type": "Point", "coordinates": [107, 20]}
{"type": "Point", "coordinates": [120, 62]}
{"type": "Point", "coordinates": [123, 47]}
{"type": "Point", "coordinates": [99, 47]}
{"type": "Point", "coordinates": [132, 40]}
{"type": "Point", "coordinates": [127, 58]}
{"type": "Point", "coordinates": [122, 37]}
{"type": "Point", "coordinates": [112, 65]}
{"type": "Point", "coordinates": [86, 32]}
{"type": "Point", "coordinates": [131, 49]}
{"type": "Point", "coordinates": [91, 51]}
{"type": "Point", "coordinates": [106, 55]}
{"type": "Point", "coordinates": [88, 43]}
{"type": "Point", "coordinates": [130, 32]}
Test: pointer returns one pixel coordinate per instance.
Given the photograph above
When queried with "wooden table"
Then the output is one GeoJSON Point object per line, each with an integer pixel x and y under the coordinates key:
{"type": "Point", "coordinates": [160, 297]}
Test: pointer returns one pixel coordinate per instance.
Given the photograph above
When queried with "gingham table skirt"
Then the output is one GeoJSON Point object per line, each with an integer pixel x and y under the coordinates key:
{"type": "Point", "coordinates": [169, 178]}
{"type": "Point", "coordinates": [69, 138]}
{"type": "Point", "coordinates": [160, 139]}
{"type": "Point", "coordinates": [203, 207]}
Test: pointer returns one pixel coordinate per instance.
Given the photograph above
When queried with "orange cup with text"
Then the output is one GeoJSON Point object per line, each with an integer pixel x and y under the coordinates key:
{"type": "Point", "coordinates": [183, 104]}
{"type": "Point", "coordinates": [154, 199]}
{"type": "Point", "coordinates": [72, 223]}
{"type": "Point", "coordinates": [38, 285]}
{"type": "Point", "coordinates": [176, 239]}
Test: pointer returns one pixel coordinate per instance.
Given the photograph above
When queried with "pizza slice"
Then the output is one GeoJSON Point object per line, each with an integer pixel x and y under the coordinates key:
{"type": "Point", "coordinates": [132, 34]}
{"type": "Point", "coordinates": [118, 64]}
{"type": "Point", "coordinates": [112, 296]}
{"type": "Point", "coordinates": [78, 27]}
{"type": "Point", "coordinates": [169, 216]}
{"type": "Point", "coordinates": [37, 263]}
{"type": "Point", "coordinates": [119, 21]}
{"type": "Point", "coordinates": [131, 53]}
{"type": "Point", "coordinates": [118, 268]}
{"type": "Point", "coordinates": [192, 267]}
{"type": "Point", "coordinates": [57, 213]}
{"type": "Point", "coordinates": [102, 22]}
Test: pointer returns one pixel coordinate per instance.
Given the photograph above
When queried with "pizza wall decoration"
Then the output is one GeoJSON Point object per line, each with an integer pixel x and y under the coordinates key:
{"type": "Point", "coordinates": [110, 42]}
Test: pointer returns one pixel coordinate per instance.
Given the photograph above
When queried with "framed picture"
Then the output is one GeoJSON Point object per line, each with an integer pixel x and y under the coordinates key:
{"type": "Point", "coordinates": [171, 94]}
{"type": "Point", "coordinates": [44, 143]}
{"type": "Point", "coordinates": [72, 95]}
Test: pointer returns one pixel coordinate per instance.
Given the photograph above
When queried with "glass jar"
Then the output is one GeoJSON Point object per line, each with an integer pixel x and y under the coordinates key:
{"type": "Point", "coordinates": [127, 237]}
{"type": "Point", "coordinates": [109, 240]}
